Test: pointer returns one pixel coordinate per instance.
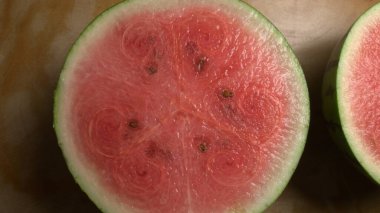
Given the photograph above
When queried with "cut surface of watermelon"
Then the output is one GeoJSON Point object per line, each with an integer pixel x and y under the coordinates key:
{"type": "Point", "coordinates": [358, 90]}
{"type": "Point", "coordinates": [182, 106]}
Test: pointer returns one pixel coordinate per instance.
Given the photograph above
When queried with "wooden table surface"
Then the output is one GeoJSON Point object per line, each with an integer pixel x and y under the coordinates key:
{"type": "Point", "coordinates": [35, 36]}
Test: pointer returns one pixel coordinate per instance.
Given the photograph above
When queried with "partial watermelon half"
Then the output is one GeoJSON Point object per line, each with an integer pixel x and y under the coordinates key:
{"type": "Point", "coordinates": [181, 106]}
{"type": "Point", "coordinates": [351, 93]}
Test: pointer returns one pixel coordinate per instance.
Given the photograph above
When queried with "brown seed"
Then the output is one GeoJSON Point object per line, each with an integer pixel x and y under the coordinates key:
{"type": "Point", "coordinates": [202, 147]}
{"type": "Point", "coordinates": [133, 123]}
{"type": "Point", "coordinates": [151, 70]}
{"type": "Point", "coordinates": [227, 93]}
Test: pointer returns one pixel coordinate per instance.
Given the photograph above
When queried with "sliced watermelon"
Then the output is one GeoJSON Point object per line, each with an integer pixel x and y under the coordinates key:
{"type": "Point", "coordinates": [351, 93]}
{"type": "Point", "coordinates": [182, 106]}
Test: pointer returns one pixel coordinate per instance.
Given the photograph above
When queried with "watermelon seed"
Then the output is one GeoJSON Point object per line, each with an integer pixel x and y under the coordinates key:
{"type": "Point", "coordinates": [133, 124]}
{"type": "Point", "coordinates": [152, 70]}
{"type": "Point", "coordinates": [203, 147]}
{"type": "Point", "coordinates": [227, 93]}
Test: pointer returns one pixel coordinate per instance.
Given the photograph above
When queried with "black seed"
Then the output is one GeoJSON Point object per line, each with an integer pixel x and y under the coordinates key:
{"type": "Point", "coordinates": [202, 147]}
{"type": "Point", "coordinates": [133, 123]}
{"type": "Point", "coordinates": [151, 70]}
{"type": "Point", "coordinates": [201, 63]}
{"type": "Point", "coordinates": [227, 93]}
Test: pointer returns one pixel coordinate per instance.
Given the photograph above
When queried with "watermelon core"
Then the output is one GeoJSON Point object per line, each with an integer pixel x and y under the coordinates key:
{"type": "Point", "coordinates": [182, 108]}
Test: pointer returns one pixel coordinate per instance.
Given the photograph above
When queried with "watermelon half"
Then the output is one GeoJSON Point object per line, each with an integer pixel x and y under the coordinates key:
{"type": "Point", "coordinates": [182, 106]}
{"type": "Point", "coordinates": [351, 93]}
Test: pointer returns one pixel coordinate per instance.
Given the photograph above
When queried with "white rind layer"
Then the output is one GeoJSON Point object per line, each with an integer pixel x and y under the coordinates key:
{"type": "Point", "coordinates": [86, 175]}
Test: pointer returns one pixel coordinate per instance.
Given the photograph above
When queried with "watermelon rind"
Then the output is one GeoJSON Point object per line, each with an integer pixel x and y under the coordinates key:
{"type": "Point", "coordinates": [86, 176]}
{"type": "Point", "coordinates": [337, 114]}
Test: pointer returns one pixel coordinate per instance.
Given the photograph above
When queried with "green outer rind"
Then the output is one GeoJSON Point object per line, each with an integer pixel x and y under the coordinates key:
{"type": "Point", "coordinates": [271, 195]}
{"type": "Point", "coordinates": [334, 106]}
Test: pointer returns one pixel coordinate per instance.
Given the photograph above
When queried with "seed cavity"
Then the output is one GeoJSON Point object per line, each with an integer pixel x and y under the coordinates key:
{"type": "Point", "coordinates": [133, 123]}
{"type": "Point", "coordinates": [227, 93]}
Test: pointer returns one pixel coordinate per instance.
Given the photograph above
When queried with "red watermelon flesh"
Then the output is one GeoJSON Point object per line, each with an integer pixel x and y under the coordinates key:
{"type": "Point", "coordinates": [185, 111]}
{"type": "Point", "coordinates": [363, 98]}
